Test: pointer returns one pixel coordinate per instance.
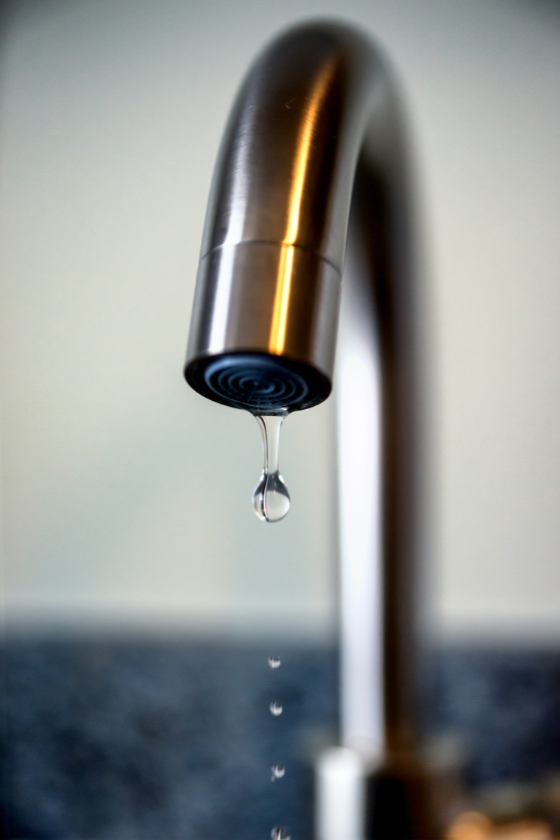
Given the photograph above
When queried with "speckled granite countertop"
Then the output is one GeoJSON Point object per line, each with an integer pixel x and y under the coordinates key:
{"type": "Point", "coordinates": [140, 740]}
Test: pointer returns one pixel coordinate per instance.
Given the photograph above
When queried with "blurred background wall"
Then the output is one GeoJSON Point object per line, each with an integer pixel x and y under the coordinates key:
{"type": "Point", "coordinates": [125, 496]}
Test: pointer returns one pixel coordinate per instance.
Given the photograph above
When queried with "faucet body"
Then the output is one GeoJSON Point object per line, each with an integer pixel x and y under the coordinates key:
{"type": "Point", "coordinates": [315, 142]}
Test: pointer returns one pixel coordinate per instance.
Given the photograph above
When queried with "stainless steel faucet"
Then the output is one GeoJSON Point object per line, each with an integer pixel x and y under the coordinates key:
{"type": "Point", "coordinates": [315, 141]}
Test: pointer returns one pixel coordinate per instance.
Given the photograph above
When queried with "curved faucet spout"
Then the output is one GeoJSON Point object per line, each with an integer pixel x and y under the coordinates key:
{"type": "Point", "coordinates": [314, 141]}
{"type": "Point", "coordinates": [275, 234]}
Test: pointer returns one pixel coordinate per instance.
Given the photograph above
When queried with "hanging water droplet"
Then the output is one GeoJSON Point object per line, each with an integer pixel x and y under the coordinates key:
{"type": "Point", "coordinates": [271, 499]}
{"type": "Point", "coordinates": [281, 832]}
{"type": "Point", "coordinates": [276, 708]}
{"type": "Point", "coordinates": [274, 661]}
{"type": "Point", "coordinates": [278, 770]}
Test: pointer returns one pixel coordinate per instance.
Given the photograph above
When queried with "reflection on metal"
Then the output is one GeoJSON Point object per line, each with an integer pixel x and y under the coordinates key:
{"type": "Point", "coordinates": [315, 141]}
{"type": "Point", "coordinates": [358, 408]}
{"type": "Point", "coordinates": [304, 157]}
{"type": "Point", "coordinates": [340, 799]}
{"type": "Point", "coordinates": [281, 302]}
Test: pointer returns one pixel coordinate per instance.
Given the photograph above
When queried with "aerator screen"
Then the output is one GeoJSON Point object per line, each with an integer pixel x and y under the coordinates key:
{"type": "Point", "coordinates": [258, 383]}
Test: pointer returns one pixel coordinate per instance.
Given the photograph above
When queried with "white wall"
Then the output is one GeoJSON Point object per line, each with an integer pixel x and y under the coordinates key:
{"type": "Point", "coordinates": [126, 497]}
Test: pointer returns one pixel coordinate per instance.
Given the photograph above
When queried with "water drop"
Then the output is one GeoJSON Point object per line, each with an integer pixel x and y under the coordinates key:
{"type": "Point", "coordinates": [276, 708]}
{"type": "Point", "coordinates": [271, 499]}
{"type": "Point", "coordinates": [281, 832]}
{"type": "Point", "coordinates": [274, 661]}
{"type": "Point", "coordinates": [278, 770]}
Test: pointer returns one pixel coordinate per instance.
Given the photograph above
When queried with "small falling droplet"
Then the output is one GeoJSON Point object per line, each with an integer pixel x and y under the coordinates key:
{"type": "Point", "coordinates": [276, 708]}
{"type": "Point", "coordinates": [274, 661]}
{"type": "Point", "coordinates": [281, 832]}
{"type": "Point", "coordinates": [271, 500]}
{"type": "Point", "coordinates": [278, 770]}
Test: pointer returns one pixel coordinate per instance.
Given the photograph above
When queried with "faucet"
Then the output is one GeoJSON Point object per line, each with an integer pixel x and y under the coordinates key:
{"type": "Point", "coordinates": [314, 159]}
